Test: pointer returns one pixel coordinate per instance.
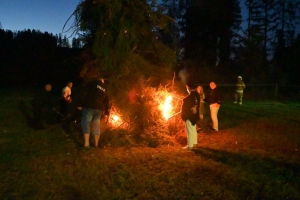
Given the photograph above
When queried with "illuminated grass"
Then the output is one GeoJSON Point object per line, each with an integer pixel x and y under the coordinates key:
{"type": "Point", "coordinates": [255, 155]}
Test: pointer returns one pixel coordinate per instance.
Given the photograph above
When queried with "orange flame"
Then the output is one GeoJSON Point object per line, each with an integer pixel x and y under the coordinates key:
{"type": "Point", "coordinates": [115, 120]}
{"type": "Point", "coordinates": [167, 108]}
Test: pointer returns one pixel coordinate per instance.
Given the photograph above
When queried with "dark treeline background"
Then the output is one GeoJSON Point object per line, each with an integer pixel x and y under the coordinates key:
{"type": "Point", "coordinates": [211, 34]}
{"type": "Point", "coordinates": [31, 58]}
{"type": "Point", "coordinates": [207, 36]}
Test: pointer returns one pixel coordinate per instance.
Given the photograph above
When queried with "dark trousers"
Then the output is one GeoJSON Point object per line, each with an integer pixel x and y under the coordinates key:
{"type": "Point", "coordinates": [64, 107]}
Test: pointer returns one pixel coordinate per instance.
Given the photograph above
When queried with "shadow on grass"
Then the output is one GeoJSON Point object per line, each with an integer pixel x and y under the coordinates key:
{"type": "Point", "coordinates": [69, 125]}
{"type": "Point", "coordinates": [38, 119]}
{"type": "Point", "coordinates": [27, 113]}
{"type": "Point", "coordinates": [231, 116]}
{"type": "Point", "coordinates": [71, 193]}
{"type": "Point", "coordinates": [257, 165]}
{"type": "Point", "coordinates": [257, 177]}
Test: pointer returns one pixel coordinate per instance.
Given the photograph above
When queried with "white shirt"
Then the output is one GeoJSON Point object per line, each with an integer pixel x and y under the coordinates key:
{"type": "Point", "coordinates": [66, 93]}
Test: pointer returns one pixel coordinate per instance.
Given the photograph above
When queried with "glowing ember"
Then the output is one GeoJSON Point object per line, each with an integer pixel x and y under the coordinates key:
{"type": "Point", "coordinates": [167, 107]}
{"type": "Point", "coordinates": [115, 118]}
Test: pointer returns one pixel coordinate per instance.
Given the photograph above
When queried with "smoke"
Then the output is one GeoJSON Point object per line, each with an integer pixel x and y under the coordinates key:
{"type": "Point", "coordinates": [183, 75]}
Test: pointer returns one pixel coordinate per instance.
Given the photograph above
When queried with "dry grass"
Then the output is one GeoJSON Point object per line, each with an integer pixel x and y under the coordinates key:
{"type": "Point", "coordinates": [255, 155]}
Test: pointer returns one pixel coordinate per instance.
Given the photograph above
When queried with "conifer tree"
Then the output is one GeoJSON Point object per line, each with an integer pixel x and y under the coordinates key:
{"type": "Point", "coordinates": [115, 30]}
{"type": "Point", "coordinates": [286, 16]}
{"type": "Point", "coordinates": [209, 27]}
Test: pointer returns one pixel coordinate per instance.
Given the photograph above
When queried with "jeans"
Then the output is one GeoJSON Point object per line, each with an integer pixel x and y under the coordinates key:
{"type": "Point", "coordinates": [90, 121]}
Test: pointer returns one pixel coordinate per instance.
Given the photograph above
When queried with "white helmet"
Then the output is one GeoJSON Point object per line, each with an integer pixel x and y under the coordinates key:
{"type": "Point", "coordinates": [239, 77]}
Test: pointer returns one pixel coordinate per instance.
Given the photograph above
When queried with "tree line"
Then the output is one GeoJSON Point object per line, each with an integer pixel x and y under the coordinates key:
{"type": "Point", "coordinates": [210, 33]}
{"type": "Point", "coordinates": [32, 58]}
{"type": "Point", "coordinates": [203, 36]}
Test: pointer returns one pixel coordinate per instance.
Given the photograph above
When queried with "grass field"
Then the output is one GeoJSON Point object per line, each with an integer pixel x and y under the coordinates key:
{"type": "Point", "coordinates": [255, 155]}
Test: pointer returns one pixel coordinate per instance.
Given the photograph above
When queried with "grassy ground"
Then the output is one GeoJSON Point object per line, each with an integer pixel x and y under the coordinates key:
{"type": "Point", "coordinates": [255, 155]}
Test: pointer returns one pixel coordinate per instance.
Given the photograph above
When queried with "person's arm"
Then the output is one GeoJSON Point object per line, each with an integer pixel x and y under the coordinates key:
{"type": "Point", "coordinates": [106, 104]}
{"type": "Point", "coordinates": [219, 97]}
{"type": "Point", "coordinates": [196, 102]}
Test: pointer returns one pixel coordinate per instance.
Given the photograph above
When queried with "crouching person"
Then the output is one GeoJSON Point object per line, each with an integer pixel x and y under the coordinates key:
{"type": "Point", "coordinates": [94, 104]}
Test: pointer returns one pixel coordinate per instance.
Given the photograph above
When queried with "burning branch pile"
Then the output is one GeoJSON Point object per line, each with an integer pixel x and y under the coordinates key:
{"type": "Point", "coordinates": [147, 113]}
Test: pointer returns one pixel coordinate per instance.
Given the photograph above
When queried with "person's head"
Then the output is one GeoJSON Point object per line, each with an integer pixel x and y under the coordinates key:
{"type": "Point", "coordinates": [48, 87]}
{"type": "Point", "coordinates": [212, 85]}
{"type": "Point", "coordinates": [239, 78]}
{"type": "Point", "coordinates": [101, 78]}
{"type": "Point", "coordinates": [70, 84]}
{"type": "Point", "coordinates": [199, 89]}
{"type": "Point", "coordinates": [190, 86]}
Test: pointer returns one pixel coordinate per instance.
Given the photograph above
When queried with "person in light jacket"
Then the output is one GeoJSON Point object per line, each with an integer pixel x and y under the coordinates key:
{"type": "Point", "coordinates": [240, 86]}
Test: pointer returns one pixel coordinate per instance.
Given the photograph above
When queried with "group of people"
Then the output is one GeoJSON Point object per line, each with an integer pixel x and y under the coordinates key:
{"type": "Point", "coordinates": [93, 103]}
{"type": "Point", "coordinates": [193, 109]}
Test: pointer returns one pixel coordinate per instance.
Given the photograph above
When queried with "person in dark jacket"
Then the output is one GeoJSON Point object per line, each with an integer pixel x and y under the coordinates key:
{"type": "Point", "coordinates": [65, 101]}
{"type": "Point", "coordinates": [190, 115]}
{"type": "Point", "coordinates": [214, 100]}
{"type": "Point", "coordinates": [94, 103]}
{"type": "Point", "coordinates": [42, 106]}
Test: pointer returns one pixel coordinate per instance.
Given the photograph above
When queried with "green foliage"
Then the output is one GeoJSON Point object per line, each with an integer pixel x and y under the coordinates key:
{"type": "Point", "coordinates": [121, 43]}
{"type": "Point", "coordinates": [117, 29]}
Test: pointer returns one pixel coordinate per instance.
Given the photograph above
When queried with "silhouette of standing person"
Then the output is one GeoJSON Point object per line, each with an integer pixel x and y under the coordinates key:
{"type": "Point", "coordinates": [240, 86]}
{"type": "Point", "coordinates": [94, 103]}
{"type": "Point", "coordinates": [214, 100]}
{"type": "Point", "coordinates": [65, 100]}
{"type": "Point", "coordinates": [41, 106]}
{"type": "Point", "coordinates": [190, 115]}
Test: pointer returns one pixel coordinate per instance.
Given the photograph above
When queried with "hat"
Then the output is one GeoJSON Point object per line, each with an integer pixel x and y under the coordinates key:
{"type": "Point", "coordinates": [239, 77]}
